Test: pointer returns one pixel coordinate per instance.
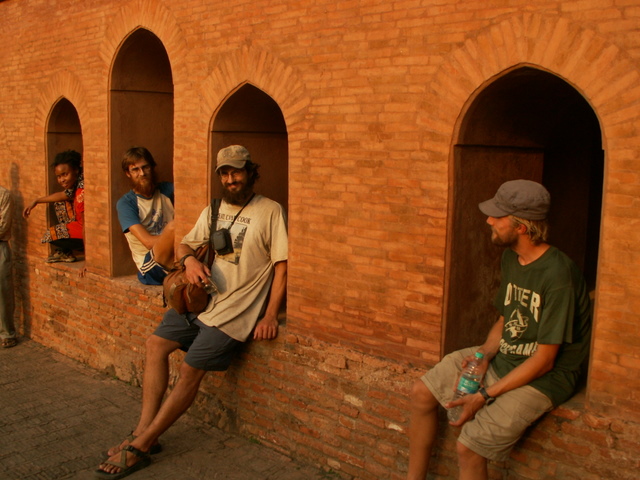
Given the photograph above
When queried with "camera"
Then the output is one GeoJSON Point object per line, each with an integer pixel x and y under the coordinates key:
{"type": "Point", "coordinates": [222, 241]}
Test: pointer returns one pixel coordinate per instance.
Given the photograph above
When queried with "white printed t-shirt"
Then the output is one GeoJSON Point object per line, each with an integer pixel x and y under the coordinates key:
{"type": "Point", "coordinates": [243, 277]}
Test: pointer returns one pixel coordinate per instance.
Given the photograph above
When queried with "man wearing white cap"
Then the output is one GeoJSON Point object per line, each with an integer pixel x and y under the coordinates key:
{"type": "Point", "coordinates": [533, 353]}
{"type": "Point", "coordinates": [249, 271]}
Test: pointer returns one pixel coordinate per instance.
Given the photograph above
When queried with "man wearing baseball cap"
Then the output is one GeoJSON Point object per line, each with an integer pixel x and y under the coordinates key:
{"type": "Point", "coordinates": [532, 354]}
{"type": "Point", "coordinates": [250, 273]}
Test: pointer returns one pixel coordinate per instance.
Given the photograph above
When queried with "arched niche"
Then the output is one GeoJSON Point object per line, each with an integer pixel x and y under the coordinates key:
{"type": "Point", "coordinates": [529, 124]}
{"type": "Point", "coordinates": [141, 114]}
{"type": "Point", "coordinates": [252, 118]}
{"type": "Point", "coordinates": [63, 133]}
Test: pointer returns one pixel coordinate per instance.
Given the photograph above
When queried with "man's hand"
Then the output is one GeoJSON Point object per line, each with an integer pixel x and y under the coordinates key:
{"type": "Point", "coordinates": [195, 271]}
{"type": "Point", "coordinates": [471, 404]}
{"type": "Point", "coordinates": [266, 329]}
{"type": "Point", "coordinates": [484, 364]}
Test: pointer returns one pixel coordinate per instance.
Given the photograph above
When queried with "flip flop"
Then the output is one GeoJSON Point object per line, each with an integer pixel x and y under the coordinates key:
{"type": "Point", "coordinates": [145, 461]}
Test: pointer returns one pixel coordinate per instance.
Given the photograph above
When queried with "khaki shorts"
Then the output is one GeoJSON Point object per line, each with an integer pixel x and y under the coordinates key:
{"type": "Point", "coordinates": [496, 427]}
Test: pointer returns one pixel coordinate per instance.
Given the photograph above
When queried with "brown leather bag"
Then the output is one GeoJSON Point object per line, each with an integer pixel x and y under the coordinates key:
{"type": "Point", "coordinates": [177, 292]}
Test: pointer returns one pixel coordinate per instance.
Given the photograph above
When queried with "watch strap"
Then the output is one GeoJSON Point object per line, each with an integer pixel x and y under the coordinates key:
{"type": "Point", "coordinates": [182, 260]}
{"type": "Point", "coordinates": [487, 398]}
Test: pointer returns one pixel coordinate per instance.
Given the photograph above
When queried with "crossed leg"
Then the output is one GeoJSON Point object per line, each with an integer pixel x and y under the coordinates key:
{"type": "Point", "coordinates": [156, 417]}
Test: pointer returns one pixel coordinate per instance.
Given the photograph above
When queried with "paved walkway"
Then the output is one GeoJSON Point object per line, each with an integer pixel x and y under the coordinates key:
{"type": "Point", "coordinates": [58, 415]}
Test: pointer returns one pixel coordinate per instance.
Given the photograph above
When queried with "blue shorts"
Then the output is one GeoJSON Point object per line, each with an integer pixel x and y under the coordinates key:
{"type": "Point", "coordinates": [151, 272]}
{"type": "Point", "coordinates": [208, 348]}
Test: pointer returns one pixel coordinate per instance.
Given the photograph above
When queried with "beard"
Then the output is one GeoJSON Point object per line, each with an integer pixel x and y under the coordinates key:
{"type": "Point", "coordinates": [238, 197]}
{"type": "Point", "coordinates": [144, 186]}
{"type": "Point", "coordinates": [507, 240]}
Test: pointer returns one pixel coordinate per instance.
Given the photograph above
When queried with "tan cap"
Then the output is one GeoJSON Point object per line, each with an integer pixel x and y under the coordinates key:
{"type": "Point", "coordinates": [235, 156]}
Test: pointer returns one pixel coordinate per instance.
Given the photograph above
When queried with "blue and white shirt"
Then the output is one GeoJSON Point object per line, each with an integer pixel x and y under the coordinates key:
{"type": "Point", "coordinates": [152, 213]}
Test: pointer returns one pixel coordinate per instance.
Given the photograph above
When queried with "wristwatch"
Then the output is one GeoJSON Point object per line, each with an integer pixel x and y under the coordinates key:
{"type": "Point", "coordinates": [487, 398]}
{"type": "Point", "coordinates": [181, 262]}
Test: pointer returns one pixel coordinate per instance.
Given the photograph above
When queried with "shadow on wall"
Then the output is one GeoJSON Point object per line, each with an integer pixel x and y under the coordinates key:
{"type": "Point", "coordinates": [18, 242]}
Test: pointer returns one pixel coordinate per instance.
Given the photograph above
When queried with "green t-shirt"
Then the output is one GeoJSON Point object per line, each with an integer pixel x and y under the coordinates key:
{"type": "Point", "coordinates": [545, 302]}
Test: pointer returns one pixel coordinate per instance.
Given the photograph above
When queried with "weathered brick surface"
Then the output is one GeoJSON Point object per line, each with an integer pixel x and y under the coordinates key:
{"type": "Point", "coordinates": [372, 94]}
{"type": "Point", "coordinates": [59, 415]}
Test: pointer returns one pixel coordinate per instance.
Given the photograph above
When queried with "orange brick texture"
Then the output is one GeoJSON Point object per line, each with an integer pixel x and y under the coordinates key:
{"type": "Point", "coordinates": [372, 94]}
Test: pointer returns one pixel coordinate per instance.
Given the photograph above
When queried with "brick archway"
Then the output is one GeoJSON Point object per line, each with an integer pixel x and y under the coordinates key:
{"type": "Point", "coordinates": [132, 17]}
{"type": "Point", "coordinates": [258, 68]}
{"type": "Point", "coordinates": [61, 85]}
{"type": "Point", "coordinates": [261, 69]}
{"type": "Point", "coordinates": [157, 19]}
{"type": "Point", "coordinates": [601, 72]}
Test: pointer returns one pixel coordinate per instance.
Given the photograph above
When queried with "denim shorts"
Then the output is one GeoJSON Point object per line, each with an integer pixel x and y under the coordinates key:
{"type": "Point", "coordinates": [208, 348]}
{"type": "Point", "coordinates": [496, 427]}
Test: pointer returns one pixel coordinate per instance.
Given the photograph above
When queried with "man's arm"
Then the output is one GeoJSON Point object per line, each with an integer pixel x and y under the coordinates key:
{"type": "Point", "coordinates": [129, 218]}
{"type": "Point", "coordinates": [267, 327]}
{"type": "Point", "coordinates": [143, 235]}
{"type": "Point", "coordinates": [535, 366]}
{"type": "Point", "coordinates": [491, 345]}
{"type": "Point", "coordinates": [195, 271]}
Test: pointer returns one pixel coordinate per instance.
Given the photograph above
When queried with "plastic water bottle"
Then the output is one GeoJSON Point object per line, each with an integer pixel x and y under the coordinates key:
{"type": "Point", "coordinates": [469, 383]}
{"type": "Point", "coordinates": [209, 287]}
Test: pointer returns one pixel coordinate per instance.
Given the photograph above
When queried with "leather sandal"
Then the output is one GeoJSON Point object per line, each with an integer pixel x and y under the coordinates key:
{"type": "Point", "coordinates": [155, 449]}
{"type": "Point", "coordinates": [145, 461]}
{"type": "Point", "coordinates": [9, 342]}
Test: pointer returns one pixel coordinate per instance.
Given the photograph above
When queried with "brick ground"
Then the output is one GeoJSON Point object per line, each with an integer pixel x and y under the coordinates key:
{"type": "Point", "coordinates": [58, 415]}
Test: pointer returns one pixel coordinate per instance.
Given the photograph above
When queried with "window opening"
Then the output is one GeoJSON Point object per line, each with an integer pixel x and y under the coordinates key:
{"type": "Point", "coordinates": [141, 100]}
{"type": "Point", "coordinates": [527, 124]}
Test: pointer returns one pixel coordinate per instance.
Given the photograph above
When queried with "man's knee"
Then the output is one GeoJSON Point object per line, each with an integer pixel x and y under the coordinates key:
{"type": "Point", "coordinates": [190, 375]}
{"type": "Point", "coordinates": [158, 346]}
{"type": "Point", "coordinates": [421, 397]}
{"type": "Point", "coordinates": [466, 456]}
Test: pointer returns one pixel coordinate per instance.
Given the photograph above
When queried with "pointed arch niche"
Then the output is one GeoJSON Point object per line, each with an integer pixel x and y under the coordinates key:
{"type": "Point", "coordinates": [531, 124]}
{"type": "Point", "coordinates": [63, 133]}
{"type": "Point", "coordinates": [141, 100]}
{"type": "Point", "coordinates": [252, 118]}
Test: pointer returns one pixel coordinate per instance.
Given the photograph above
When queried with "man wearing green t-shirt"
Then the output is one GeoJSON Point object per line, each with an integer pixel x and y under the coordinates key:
{"type": "Point", "coordinates": [533, 353]}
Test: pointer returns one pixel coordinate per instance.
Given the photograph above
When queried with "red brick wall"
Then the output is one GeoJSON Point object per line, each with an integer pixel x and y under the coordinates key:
{"type": "Point", "coordinates": [372, 93]}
